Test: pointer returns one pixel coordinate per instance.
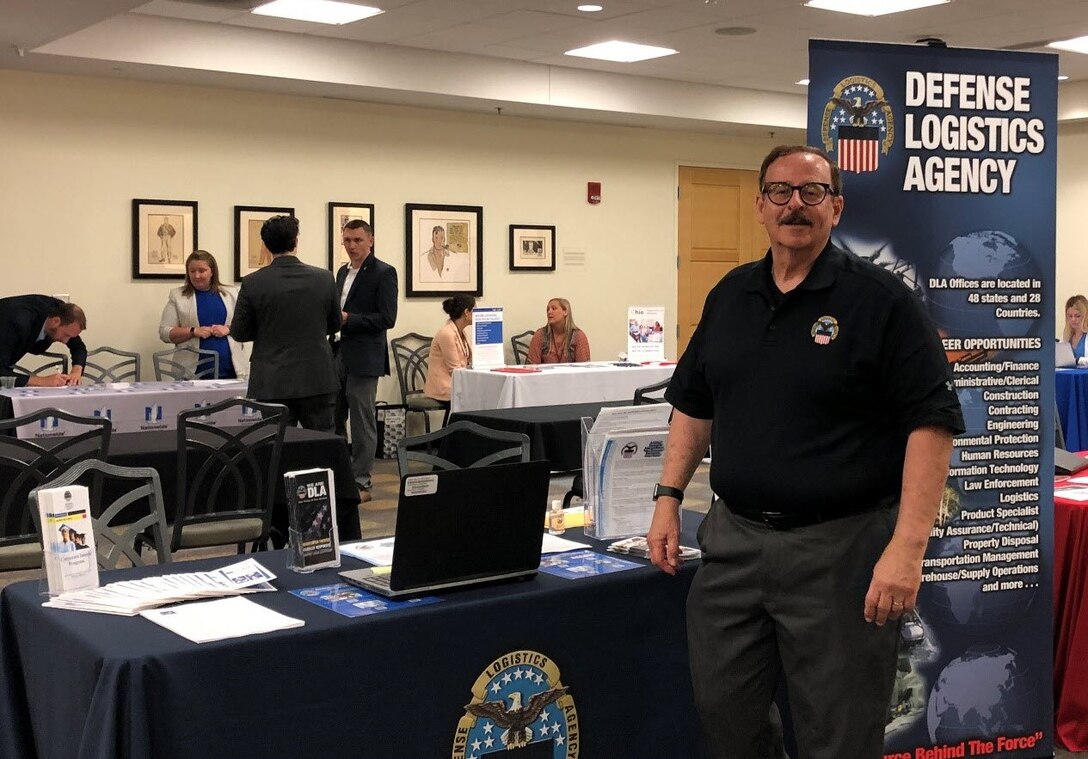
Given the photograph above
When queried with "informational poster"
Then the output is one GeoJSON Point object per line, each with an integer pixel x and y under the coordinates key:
{"type": "Point", "coordinates": [948, 160]}
{"type": "Point", "coordinates": [645, 333]}
{"type": "Point", "coordinates": [487, 346]}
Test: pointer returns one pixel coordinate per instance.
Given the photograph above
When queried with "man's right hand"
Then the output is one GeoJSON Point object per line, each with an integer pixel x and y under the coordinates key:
{"type": "Point", "coordinates": [664, 535]}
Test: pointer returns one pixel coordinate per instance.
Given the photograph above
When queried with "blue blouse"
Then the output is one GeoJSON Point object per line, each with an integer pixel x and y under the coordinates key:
{"type": "Point", "coordinates": [1078, 347]}
{"type": "Point", "coordinates": [210, 310]}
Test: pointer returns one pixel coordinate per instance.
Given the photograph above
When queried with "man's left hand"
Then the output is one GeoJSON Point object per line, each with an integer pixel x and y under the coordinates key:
{"type": "Point", "coordinates": [894, 588]}
{"type": "Point", "coordinates": [74, 376]}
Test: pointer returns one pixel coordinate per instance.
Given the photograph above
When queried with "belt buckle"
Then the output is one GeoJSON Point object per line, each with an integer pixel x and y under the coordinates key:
{"type": "Point", "coordinates": [776, 520]}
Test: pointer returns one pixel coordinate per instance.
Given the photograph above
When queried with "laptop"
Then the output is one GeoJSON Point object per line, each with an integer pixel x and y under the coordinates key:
{"type": "Point", "coordinates": [1063, 355]}
{"type": "Point", "coordinates": [463, 527]}
{"type": "Point", "coordinates": [1068, 463]}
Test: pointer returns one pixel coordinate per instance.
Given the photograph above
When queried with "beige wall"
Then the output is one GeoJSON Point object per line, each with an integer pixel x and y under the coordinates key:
{"type": "Point", "coordinates": [1072, 232]}
{"type": "Point", "coordinates": [76, 151]}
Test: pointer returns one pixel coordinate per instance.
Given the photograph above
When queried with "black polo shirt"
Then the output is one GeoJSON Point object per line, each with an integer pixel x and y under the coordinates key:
{"type": "Point", "coordinates": [813, 393]}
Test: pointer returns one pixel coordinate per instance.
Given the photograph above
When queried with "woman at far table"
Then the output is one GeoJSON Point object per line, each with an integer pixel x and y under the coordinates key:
{"type": "Point", "coordinates": [1076, 309]}
{"type": "Point", "coordinates": [198, 315]}
{"type": "Point", "coordinates": [450, 349]}
{"type": "Point", "coordinates": [560, 341]}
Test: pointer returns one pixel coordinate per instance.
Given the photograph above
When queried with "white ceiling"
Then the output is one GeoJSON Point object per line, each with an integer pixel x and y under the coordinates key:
{"type": "Point", "coordinates": [487, 54]}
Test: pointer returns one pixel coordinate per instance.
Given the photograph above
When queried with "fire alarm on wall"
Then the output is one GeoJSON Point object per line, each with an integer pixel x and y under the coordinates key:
{"type": "Point", "coordinates": [594, 194]}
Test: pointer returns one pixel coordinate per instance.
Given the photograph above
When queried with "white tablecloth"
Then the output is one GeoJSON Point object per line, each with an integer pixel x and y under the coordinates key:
{"type": "Point", "coordinates": [479, 389]}
{"type": "Point", "coordinates": [130, 406]}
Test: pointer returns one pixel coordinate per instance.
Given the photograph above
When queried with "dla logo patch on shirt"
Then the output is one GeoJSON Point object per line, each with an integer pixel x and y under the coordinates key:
{"type": "Point", "coordinates": [824, 330]}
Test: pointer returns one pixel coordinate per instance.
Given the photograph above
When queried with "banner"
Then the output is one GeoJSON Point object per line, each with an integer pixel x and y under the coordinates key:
{"type": "Point", "coordinates": [948, 160]}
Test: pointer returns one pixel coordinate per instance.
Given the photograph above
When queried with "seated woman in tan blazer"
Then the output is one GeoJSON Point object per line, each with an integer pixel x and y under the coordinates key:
{"type": "Point", "coordinates": [450, 349]}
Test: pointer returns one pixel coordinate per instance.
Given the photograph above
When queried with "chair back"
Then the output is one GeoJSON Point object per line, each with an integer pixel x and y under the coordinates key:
{"type": "Point", "coordinates": [119, 528]}
{"type": "Point", "coordinates": [108, 364]}
{"type": "Point", "coordinates": [444, 448]}
{"type": "Point", "coordinates": [48, 363]}
{"type": "Point", "coordinates": [410, 354]}
{"type": "Point", "coordinates": [227, 476]}
{"type": "Point", "coordinates": [519, 344]}
{"type": "Point", "coordinates": [167, 366]}
{"type": "Point", "coordinates": [654, 393]}
{"type": "Point", "coordinates": [26, 463]}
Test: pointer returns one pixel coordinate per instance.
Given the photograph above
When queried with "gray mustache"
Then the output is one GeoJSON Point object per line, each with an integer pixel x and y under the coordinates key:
{"type": "Point", "coordinates": [796, 217]}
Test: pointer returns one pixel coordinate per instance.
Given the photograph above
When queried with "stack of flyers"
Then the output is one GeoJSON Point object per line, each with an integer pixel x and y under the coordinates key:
{"type": "Point", "coordinates": [638, 546]}
{"type": "Point", "coordinates": [129, 597]}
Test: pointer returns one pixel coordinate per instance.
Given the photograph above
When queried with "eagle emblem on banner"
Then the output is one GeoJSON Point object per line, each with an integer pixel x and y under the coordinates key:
{"type": "Point", "coordinates": [858, 124]}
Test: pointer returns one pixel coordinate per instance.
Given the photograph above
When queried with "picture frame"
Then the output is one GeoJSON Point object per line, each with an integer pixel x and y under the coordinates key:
{"type": "Point", "coordinates": [248, 256]}
{"type": "Point", "coordinates": [164, 233]}
{"type": "Point", "coordinates": [532, 247]}
{"type": "Point", "coordinates": [339, 215]}
{"type": "Point", "coordinates": [460, 269]}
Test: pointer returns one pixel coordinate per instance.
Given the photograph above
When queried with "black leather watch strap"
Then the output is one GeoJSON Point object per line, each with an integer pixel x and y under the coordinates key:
{"type": "Point", "coordinates": [660, 490]}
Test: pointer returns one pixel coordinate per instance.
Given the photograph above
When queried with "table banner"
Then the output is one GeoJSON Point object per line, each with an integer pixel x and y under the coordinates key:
{"type": "Point", "coordinates": [948, 159]}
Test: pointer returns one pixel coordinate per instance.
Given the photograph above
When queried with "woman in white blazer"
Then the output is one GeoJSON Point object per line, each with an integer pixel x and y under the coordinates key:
{"type": "Point", "coordinates": [198, 315]}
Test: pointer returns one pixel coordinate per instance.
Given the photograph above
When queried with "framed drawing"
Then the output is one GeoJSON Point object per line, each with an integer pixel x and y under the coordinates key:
{"type": "Point", "coordinates": [339, 215]}
{"type": "Point", "coordinates": [532, 247]}
{"type": "Point", "coordinates": [163, 236]}
{"type": "Point", "coordinates": [249, 252]}
{"type": "Point", "coordinates": [444, 252]}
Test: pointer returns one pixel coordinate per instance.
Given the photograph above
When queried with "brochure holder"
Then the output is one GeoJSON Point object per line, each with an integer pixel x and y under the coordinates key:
{"type": "Point", "coordinates": [69, 554]}
{"type": "Point", "coordinates": [313, 539]}
{"type": "Point", "coordinates": [622, 456]}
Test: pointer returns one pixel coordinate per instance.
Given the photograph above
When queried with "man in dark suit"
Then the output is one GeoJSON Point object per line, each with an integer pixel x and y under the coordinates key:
{"type": "Point", "coordinates": [30, 324]}
{"type": "Point", "coordinates": [288, 309]}
{"type": "Point", "coordinates": [368, 307]}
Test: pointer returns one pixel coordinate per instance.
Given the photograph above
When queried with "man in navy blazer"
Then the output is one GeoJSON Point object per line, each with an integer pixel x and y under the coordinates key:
{"type": "Point", "coordinates": [368, 308]}
{"type": "Point", "coordinates": [288, 309]}
{"type": "Point", "coordinates": [30, 324]}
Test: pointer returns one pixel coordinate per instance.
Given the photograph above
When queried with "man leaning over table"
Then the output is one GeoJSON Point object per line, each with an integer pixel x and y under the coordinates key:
{"type": "Point", "coordinates": [31, 324]}
{"type": "Point", "coordinates": [830, 476]}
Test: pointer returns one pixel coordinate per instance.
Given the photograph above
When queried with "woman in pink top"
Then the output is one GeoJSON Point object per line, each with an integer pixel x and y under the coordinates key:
{"type": "Point", "coordinates": [559, 341]}
{"type": "Point", "coordinates": [450, 349]}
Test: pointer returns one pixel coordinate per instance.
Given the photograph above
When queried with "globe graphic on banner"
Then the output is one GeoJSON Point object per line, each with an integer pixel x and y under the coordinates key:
{"type": "Point", "coordinates": [964, 605]}
{"type": "Point", "coordinates": [981, 694]}
{"type": "Point", "coordinates": [981, 255]}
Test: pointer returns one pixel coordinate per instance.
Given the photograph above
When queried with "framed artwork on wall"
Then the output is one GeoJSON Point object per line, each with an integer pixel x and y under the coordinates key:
{"type": "Point", "coordinates": [163, 236]}
{"type": "Point", "coordinates": [532, 247]}
{"type": "Point", "coordinates": [339, 215]}
{"type": "Point", "coordinates": [444, 250]}
{"type": "Point", "coordinates": [249, 253]}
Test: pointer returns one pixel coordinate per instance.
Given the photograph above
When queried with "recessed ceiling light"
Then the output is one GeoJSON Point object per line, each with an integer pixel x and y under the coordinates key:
{"type": "Point", "coordinates": [621, 52]}
{"type": "Point", "coordinates": [318, 11]}
{"type": "Point", "coordinates": [1075, 45]}
{"type": "Point", "coordinates": [590, 8]}
{"type": "Point", "coordinates": [802, 82]}
{"type": "Point", "coordinates": [1062, 77]}
{"type": "Point", "coordinates": [872, 7]}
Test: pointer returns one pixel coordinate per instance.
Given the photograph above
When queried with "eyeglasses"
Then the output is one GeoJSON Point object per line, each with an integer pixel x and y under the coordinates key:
{"type": "Point", "coordinates": [812, 193]}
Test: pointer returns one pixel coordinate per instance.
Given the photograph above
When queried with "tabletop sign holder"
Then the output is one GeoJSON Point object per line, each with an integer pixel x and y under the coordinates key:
{"type": "Point", "coordinates": [313, 539]}
{"type": "Point", "coordinates": [623, 451]}
{"type": "Point", "coordinates": [69, 556]}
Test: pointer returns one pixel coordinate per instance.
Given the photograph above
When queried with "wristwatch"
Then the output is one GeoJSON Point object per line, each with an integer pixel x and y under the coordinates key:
{"type": "Point", "coordinates": [660, 490]}
{"type": "Point", "coordinates": [192, 331]}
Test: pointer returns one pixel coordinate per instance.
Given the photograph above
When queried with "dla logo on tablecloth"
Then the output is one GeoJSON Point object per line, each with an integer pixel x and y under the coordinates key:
{"type": "Point", "coordinates": [48, 423]}
{"type": "Point", "coordinates": [518, 702]}
{"type": "Point", "coordinates": [153, 413]}
{"type": "Point", "coordinates": [858, 124]}
{"type": "Point", "coordinates": [105, 412]}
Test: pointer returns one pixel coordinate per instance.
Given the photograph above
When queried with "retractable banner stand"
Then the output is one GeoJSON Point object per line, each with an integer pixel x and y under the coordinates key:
{"type": "Point", "coordinates": [948, 159]}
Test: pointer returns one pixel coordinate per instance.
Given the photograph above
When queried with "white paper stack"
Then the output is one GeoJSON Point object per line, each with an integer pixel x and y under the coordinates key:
{"type": "Point", "coordinates": [130, 597]}
{"type": "Point", "coordinates": [222, 618]}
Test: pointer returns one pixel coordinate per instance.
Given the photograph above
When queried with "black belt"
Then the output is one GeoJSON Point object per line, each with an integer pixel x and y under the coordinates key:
{"type": "Point", "coordinates": [779, 520]}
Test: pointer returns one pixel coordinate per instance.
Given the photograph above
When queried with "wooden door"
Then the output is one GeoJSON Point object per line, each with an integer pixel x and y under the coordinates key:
{"type": "Point", "coordinates": [717, 232]}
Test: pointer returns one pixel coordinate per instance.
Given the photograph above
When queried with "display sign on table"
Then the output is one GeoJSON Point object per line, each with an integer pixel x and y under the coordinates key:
{"type": "Point", "coordinates": [487, 345]}
{"type": "Point", "coordinates": [645, 333]}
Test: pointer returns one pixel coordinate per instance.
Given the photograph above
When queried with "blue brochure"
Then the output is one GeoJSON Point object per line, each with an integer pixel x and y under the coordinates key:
{"type": "Point", "coordinates": [355, 602]}
{"type": "Point", "coordinates": [575, 564]}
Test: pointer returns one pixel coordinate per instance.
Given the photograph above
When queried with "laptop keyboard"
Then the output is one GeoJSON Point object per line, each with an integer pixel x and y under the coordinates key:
{"type": "Point", "coordinates": [381, 580]}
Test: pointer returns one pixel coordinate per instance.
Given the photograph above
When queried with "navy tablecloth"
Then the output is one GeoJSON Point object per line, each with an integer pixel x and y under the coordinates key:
{"type": "Point", "coordinates": [87, 686]}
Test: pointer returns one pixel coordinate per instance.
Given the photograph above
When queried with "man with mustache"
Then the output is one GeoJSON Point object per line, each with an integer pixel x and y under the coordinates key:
{"type": "Point", "coordinates": [822, 386]}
